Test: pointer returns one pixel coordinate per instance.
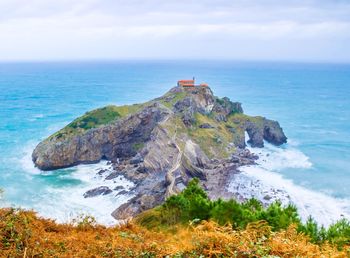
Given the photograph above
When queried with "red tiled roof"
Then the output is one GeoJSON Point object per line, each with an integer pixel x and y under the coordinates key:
{"type": "Point", "coordinates": [186, 81]}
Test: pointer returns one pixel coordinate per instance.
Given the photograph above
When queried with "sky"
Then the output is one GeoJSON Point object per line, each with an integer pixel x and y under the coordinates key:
{"type": "Point", "coordinates": [294, 30]}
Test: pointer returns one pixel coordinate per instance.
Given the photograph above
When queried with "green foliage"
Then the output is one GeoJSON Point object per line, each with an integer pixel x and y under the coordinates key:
{"type": "Point", "coordinates": [14, 230]}
{"type": "Point", "coordinates": [84, 222]}
{"type": "Point", "coordinates": [138, 146]}
{"type": "Point", "coordinates": [193, 205]}
{"type": "Point", "coordinates": [95, 119]}
{"type": "Point", "coordinates": [337, 234]}
{"type": "Point", "coordinates": [169, 100]}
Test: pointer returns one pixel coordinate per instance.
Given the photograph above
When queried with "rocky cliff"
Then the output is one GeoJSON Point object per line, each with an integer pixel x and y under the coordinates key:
{"type": "Point", "coordinates": [160, 145]}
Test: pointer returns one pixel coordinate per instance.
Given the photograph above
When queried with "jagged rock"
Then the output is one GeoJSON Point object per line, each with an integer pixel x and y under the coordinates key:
{"type": "Point", "coordinates": [137, 159]}
{"type": "Point", "coordinates": [102, 171]}
{"type": "Point", "coordinates": [268, 130]}
{"type": "Point", "coordinates": [141, 169]}
{"type": "Point", "coordinates": [160, 146]}
{"type": "Point", "coordinates": [147, 202]}
{"type": "Point", "coordinates": [123, 192]}
{"type": "Point", "coordinates": [108, 142]}
{"type": "Point", "coordinates": [102, 190]}
{"type": "Point", "coordinates": [119, 187]}
{"type": "Point", "coordinates": [194, 160]}
{"type": "Point", "coordinates": [113, 175]}
{"type": "Point", "coordinates": [206, 126]}
{"type": "Point", "coordinates": [221, 118]}
{"type": "Point", "coordinates": [256, 135]}
{"type": "Point", "coordinates": [273, 133]}
{"type": "Point", "coordinates": [227, 107]}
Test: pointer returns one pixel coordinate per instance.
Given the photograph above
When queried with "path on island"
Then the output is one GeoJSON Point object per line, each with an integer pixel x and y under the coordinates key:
{"type": "Point", "coordinates": [169, 177]}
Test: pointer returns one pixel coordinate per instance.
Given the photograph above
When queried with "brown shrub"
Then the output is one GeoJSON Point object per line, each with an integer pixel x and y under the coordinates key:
{"type": "Point", "coordinates": [23, 234]}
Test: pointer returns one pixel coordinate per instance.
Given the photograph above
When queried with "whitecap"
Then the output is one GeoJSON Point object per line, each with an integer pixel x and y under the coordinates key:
{"type": "Point", "coordinates": [26, 159]}
{"type": "Point", "coordinates": [264, 181]}
{"type": "Point", "coordinates": [64, 203]}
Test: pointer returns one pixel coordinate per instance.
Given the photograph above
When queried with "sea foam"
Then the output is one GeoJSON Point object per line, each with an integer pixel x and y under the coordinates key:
{"type": "Point", "coordinates": [66, 202]}
{"type": "Point", "coordinates": [266, 182]}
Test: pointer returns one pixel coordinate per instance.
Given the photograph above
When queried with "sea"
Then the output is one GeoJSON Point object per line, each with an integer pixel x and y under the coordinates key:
{"type": "Point", "coordinates": [310, 100]}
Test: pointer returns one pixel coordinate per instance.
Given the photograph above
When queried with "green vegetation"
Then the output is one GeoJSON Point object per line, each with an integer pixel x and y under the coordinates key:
{"type": "Point", "coordinates": [212, 140]}
{"type": "Point", "coordinates": [170, 99]}
{"type": "Point", "coordinates": [216, 142]}
{"type": "Point", "coordinates": [138, 146]}
{"type": "Point", "coordinates": [95, 119]}
{"type": "Point", "coordinates": [186, 225]}
{"type": "Point", "coordinates": [193, 204]}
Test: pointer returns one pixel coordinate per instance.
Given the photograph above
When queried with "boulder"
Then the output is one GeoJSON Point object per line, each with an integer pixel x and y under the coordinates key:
{"type": "Point", "coordinates": [102, 190]}
{"type": "Point", "coordinates": [206, 126]}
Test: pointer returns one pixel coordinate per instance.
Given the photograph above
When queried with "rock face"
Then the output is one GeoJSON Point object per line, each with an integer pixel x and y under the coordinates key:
{"type": "Point", "coordinates": [109, 142]}
{"type": "Point", "coordinates": [267, 130]}
{"type": "Point", "coordinates": [104, 190]}
{"type": "Point", "coordinates": [162, 144]}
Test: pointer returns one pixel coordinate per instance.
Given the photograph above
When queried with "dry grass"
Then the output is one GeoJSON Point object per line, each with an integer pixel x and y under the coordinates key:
{"type": "Point", "coordinates": [23, 234]}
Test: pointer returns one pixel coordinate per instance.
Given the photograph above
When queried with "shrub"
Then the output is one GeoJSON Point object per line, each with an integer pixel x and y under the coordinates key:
{"type": "Point", "coordinates": [193, 204]}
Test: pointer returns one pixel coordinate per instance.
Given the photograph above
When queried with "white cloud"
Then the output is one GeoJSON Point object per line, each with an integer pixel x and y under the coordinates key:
{"type": "Point", "coordinates": [44, 29]}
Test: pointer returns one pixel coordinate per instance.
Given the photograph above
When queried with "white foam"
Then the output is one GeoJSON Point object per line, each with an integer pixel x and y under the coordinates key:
{"type": "Point", "coordinates": [67, 202]}
{"type": "Point", "coordinates": [26, 159]}
{"type": "Point", "coordinates": [264, 180]}
{"type": "Point", "coordinates": [276, 159]}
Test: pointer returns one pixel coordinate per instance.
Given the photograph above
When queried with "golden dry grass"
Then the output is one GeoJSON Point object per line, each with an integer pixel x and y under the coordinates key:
{"type": "Point", "coordinates": [23, 234]}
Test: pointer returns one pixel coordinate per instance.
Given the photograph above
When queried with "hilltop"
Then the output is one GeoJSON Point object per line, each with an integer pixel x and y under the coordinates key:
{"type": "Point", "coordinates": [161, 144]}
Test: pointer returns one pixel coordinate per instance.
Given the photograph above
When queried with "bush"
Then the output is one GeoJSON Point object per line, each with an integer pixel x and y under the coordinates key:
{"type": "Point", "coordinates": [194, 204]}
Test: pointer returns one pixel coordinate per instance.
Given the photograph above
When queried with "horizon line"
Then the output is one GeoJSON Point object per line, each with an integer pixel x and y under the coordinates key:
{"type": "Point", "coordinates": [101, 60]}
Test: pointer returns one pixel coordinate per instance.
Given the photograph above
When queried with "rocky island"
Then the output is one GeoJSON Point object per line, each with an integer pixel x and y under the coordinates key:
{"type": "Point", "coordinates": [161, 144]}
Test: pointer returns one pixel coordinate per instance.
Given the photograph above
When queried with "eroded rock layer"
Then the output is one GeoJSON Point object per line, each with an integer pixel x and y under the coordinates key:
{"type": "Point", "coordinates": [160, 145]}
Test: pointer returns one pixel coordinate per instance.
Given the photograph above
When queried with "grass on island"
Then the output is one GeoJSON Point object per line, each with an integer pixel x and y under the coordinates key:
{"type": "Point", "coordinates": [95, 119]}
{"type": "Point", "coordinates": [217, 142]}
{"type": "Point", "coordinates": [186, 225]}
{"type": "Point", "coordinates": [212, 140]}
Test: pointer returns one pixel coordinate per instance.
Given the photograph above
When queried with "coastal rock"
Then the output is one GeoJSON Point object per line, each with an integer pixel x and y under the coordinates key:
{"type": "Point", "coordinates": [206, 126]}
{"type": "Point", "coordinates": [136, 159]}
{"type": "Point", "coordinates": [226, 107]}
{"type": "Point", "coordinates": [273, 133]}
{"type": "Point", "coordinates": [267, 130]}
{"type": "Point", "coordinates": [161, 145]}
{"type": "Point", "coordinates": [194, 161]}
{"type": "Point", "coordinates": [102, 190]}
{"type": "Point", "coordinates": [110, 142]}
{"type": "Point", "coordinates": [118, 188]}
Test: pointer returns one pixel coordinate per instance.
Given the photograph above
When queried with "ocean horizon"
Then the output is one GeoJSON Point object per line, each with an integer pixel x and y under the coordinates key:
{"type": "Point", "coordinates": [311, 101]}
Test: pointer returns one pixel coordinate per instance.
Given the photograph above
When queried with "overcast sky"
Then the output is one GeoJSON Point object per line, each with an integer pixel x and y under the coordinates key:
{"type": "Point", "coordinates": [294, 30]}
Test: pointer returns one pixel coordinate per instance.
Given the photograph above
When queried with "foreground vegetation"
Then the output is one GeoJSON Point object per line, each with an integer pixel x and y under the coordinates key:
{"type": "Point", "coordinates": [187, 225]}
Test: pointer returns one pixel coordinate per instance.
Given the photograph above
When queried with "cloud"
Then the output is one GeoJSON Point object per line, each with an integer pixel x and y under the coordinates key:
{"type": "Point", "coordinates": [46, 29]}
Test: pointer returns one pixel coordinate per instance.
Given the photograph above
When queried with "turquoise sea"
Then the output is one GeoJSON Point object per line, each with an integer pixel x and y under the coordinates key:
{"type": "Point", "coordinates": [311, 102]}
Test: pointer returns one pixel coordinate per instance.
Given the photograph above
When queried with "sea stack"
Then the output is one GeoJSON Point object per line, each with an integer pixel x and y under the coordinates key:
{"type": "Point", "coordinates": [161, 144]}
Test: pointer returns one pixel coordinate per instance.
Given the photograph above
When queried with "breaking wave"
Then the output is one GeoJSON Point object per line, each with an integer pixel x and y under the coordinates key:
{"type": "Point", "coordinates": [266, 182]}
